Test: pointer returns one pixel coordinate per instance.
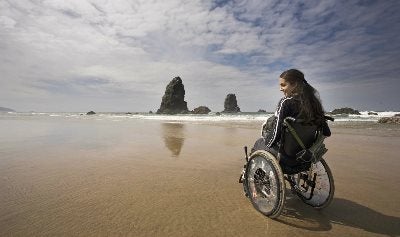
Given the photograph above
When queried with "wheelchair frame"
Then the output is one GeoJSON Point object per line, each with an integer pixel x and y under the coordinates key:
{"type": "Point", "coordinates": [314, 186]}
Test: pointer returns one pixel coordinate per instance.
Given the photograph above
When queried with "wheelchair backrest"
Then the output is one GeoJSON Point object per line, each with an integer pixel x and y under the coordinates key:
{"type": "Point", "coordinates": [307, 134]}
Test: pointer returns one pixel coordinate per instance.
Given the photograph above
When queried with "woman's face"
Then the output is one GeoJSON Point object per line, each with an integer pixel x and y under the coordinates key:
{"type": "Point", "coordinates": [286, 87]}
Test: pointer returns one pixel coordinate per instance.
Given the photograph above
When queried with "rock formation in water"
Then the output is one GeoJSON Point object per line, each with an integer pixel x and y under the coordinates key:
{"type": "Point", "coordinates": [261, 111]}
{"type": "Point", "coordinates": [391, 120]}
{"type": "Point", "coordinates": [201, 110]}
{"type": "Point", "coordinates": [372, 113]}
{"type": "Point", "coordinates": [173, 101]}
{"type": "Point", "coordinates": [90, 113]}
{"type": "Point", "coordinates": [345, 110]}
{"type": "Point", "coordinates": [230, 104]}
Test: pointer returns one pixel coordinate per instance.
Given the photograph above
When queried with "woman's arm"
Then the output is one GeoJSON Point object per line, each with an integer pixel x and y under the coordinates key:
{"type": "Point", "coordinates": [281, 113]}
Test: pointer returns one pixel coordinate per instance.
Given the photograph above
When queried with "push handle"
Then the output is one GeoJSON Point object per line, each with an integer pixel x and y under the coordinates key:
{"type": "Point", "coordinates": [245, 153]}
{"type": "Point", "coordinates": [329, 118]}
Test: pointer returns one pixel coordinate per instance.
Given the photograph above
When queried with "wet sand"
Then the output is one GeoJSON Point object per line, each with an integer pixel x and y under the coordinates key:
{"type": "Point", "coordinates": [150, 178]}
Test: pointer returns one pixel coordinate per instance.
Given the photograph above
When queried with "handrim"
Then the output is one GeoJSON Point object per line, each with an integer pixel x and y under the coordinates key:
{"type": "Point", "coordinates": [273, 187]}
{"type": "Point", "coordinates": [324, 175]}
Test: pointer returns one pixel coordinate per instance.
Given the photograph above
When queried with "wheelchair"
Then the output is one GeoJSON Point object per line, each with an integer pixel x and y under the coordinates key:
{"type": "Point", "coordinates": [265, 174]}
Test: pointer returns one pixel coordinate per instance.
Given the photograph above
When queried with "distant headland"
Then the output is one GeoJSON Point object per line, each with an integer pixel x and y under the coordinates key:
{"type": "Point", "coordinates": [3, 109]}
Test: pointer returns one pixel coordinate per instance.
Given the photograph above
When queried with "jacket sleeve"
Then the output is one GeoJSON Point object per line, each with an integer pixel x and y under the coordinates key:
{"type": "Point", "coordinates": [281, 113]}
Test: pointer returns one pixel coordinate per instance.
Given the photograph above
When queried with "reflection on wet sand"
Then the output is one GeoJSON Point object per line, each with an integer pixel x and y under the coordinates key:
{"type": "Point", "coordinates": [173, 134]}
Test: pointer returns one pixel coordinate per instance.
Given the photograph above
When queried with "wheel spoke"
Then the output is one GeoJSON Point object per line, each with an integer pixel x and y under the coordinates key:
{"type": "Point", "coordinates": [324, 187]}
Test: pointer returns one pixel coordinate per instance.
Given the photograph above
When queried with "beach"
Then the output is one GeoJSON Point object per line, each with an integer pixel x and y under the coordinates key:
{"type": "Point", "coordinates": [77, 177]}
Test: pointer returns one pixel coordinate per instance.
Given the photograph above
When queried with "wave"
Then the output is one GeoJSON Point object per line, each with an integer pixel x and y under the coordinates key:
{"type": "Point", "coordinates": [242, 117]}
{"type": "Point", "coordinates": [364, 116]}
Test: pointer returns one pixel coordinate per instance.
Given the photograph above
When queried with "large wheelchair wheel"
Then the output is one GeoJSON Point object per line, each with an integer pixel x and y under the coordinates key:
{"type": "Point", "coordinates": [322, 194]}
{"type": "Point", "coordinates": [264, 183]}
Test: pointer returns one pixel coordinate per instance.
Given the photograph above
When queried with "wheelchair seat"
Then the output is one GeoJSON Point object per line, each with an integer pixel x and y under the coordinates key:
{"type": "Point", "coordinates": [289, 146]}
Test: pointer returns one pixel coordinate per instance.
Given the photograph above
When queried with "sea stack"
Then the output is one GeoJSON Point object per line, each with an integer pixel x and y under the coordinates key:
{"type": "Point", "coordinates": [230, 104]}
{"type": "Point", "coordinates": [173, 101]}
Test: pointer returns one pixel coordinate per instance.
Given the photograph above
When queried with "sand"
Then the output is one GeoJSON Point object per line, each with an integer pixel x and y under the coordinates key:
{"type": "Point", "coordinates": [63, 177]}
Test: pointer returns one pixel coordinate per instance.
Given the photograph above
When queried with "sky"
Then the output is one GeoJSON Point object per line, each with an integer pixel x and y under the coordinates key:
{"type": "Point", "coordinates": [118, 56]}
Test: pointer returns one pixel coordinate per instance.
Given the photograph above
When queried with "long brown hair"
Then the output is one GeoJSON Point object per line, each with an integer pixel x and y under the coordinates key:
{"type": "Point", "coordinates": [311, 109]}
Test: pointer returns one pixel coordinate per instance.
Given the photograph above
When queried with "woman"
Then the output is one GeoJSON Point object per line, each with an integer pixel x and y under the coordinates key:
{"type": "Point", "coordinates": [300, 100]}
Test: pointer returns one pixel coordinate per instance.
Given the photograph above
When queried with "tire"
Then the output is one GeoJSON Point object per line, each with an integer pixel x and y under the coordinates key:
{"type": "Point", "coordinates": [324, 186]}
{"type": "Point", "coordinates": [264, 184]}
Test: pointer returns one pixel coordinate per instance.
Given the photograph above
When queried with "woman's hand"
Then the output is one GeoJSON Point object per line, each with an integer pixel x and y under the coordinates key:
{"type": "Point", "coordinates": [263, 129]}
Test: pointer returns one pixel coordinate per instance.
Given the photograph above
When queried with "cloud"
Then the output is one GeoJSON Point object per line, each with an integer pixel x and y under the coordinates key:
{"type": "Point", "coordinates": [124, 49]}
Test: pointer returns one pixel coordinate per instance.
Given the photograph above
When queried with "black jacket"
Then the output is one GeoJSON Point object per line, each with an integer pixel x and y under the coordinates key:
{"type": "Point", "coordinates": [287, 107]}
